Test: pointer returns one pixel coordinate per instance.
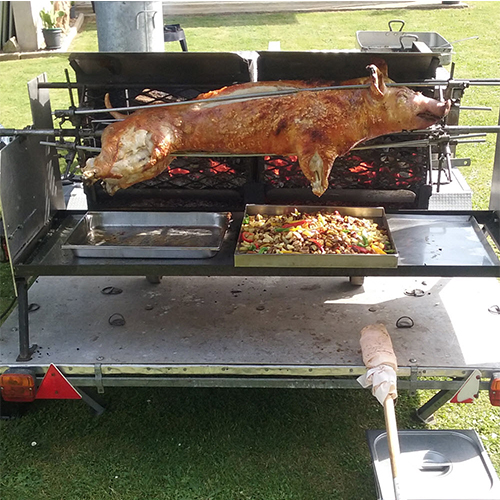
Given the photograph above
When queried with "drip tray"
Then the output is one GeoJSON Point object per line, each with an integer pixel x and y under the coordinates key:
{"type": "Point", "coordinates": [435, 465]}
{"type": "Point", "coordinates": [175, 235]}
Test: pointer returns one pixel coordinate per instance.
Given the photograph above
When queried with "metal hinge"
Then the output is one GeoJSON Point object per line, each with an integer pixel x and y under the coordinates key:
{"type": "Point", "coordinates": [98, 378]}
{"type": "Point", "coordinates": [413, 380]}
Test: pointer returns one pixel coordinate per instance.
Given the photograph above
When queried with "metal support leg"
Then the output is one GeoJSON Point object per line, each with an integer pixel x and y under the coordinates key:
{"type": "Point", "coordinates": [25, 351]}
{"type": "Point", "coordinates": [425, 413]}
{"type": "Point", "coordinates": [154, 279]}
{"type": "Point", "coordinates": [356, 280]}
{"type": "Point", "coordinates": [92, 402]}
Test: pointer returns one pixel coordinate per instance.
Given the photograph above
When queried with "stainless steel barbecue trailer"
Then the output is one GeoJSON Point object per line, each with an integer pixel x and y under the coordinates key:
{"type": "Point", "coordinates": [213, 322]}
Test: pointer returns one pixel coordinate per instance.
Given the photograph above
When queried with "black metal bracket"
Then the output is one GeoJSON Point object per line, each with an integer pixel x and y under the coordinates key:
{"type": "Point", "coordinates": [25, 350]}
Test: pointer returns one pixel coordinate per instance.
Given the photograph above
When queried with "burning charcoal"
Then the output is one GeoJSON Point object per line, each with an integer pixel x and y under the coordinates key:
{"type": "Point", "coordinates": [367, 169]}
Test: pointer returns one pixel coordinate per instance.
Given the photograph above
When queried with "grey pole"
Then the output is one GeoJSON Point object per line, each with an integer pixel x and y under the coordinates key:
{"type": "Point", "coordinates": [129, 26]}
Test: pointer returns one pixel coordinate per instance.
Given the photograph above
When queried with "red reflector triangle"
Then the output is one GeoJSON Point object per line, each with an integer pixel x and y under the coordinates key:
{"type": "Point", "coordinates": [455, 399]}
{"type": "Point", "coordinates": [55, 386]}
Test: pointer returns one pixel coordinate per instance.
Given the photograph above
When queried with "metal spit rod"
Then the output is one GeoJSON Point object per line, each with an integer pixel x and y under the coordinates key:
{"type": "Point", "coordinates": [71, 132]}
{"type": "Point", "coordinates": [465, 129]}
{"type": "Point", "coordinates": [90, 85]}
{"type": "Point", "coordinates": [70, 145]}
{"type": "Point", "coordinates": [277, 93]}
{"type": "Point", "coordinates": [476, 108]}
{"type": "Point", "coordinates": [61, 132]}
{"type": "Point", "coordinates": [464, 139]}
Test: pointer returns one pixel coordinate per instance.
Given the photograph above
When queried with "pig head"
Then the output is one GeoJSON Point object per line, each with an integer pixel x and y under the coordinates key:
{"type": "Point", "coordinates": [317, 126]}
{"type": "Point", "coordinates": [354, 116]}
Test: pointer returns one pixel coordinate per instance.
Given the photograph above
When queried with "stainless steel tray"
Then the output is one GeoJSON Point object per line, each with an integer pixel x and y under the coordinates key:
{"type": "Point", "coordinates": [173, 235]}
{"type": "Point", "coordinates": [437, 464]}
{"type": "Point", "coordinates": [402, 41]}
{"type": "Point", "coordinates": [327, 260]}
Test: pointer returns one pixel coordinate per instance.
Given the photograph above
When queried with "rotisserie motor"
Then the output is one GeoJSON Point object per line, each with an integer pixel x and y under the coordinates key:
{"type": "Point", "coordinates": [317, 126]}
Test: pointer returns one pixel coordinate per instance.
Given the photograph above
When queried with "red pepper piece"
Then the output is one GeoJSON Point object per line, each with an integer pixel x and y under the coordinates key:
{"type": "Point", "coordinates": [295, 224]}
{"type": "Point", "coordinates": [318, 244]}
{"type": "Point", "coordinates": [247, 236]}
{"type": "Point", "coordinates": [359, 249]}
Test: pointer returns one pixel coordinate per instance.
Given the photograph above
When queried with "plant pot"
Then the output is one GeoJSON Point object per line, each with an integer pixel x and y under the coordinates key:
{"type": "Point", "coordinates": [52, 37]}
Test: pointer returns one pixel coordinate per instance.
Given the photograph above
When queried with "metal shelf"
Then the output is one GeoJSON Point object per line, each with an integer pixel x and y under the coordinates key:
{"type": "Point", "coordinates": [429, 244]}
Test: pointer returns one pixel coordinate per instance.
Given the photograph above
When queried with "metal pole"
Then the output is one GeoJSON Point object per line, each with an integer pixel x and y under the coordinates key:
{"type": "Point", "coordinates": [25, 351]}
{"type": "Point", "coordinates": [425, 412]}
{"type": "Point", "coordinates": [495, 180]}
{"type": "Point", "coordinates": [129, 26]}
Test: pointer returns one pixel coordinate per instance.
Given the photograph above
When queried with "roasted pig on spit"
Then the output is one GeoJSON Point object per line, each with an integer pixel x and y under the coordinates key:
{"type": "Point", "coordinates": [317, 126]}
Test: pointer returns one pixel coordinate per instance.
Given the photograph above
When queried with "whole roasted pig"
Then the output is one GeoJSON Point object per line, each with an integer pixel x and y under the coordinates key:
{"type": "Point", "coordinates": [317, 126]}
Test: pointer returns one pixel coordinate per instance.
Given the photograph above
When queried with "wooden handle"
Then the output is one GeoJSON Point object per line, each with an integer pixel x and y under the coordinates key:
{"type": "Point", "coordinates": [392, 443]}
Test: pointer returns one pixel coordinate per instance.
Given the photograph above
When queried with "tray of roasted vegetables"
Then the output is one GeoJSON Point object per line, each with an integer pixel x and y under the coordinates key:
{"type": "Point", "coordinates": [312, 236]}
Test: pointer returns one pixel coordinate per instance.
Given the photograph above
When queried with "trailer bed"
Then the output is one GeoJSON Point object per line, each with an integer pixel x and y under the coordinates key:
{"type": "Point", "coordinates": [255, 326]}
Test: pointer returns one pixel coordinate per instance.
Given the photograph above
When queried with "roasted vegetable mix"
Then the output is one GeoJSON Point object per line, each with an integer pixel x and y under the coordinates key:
{"type": "Point", "coordinates": [315, 233]}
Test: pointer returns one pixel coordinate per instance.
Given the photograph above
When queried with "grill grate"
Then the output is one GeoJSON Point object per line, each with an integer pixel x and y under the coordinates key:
{"type": "Point", "coordinates": [388, 168]}
{"type": "Point", "coordinates": [200, 173]}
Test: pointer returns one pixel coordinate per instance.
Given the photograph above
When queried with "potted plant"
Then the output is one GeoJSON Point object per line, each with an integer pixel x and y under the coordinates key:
{"type": "Point", "coordinates": [51, 33]}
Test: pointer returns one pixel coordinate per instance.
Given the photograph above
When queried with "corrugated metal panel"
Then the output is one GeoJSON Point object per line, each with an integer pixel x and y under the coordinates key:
{"type": "Point", "coordinates": [7, 29]}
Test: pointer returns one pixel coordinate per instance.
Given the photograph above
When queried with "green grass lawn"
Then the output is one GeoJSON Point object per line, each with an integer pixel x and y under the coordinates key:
{"type": "Point", "coordinates": [238, 444]}
{"type": "Point", "coordinates": [220, 444]}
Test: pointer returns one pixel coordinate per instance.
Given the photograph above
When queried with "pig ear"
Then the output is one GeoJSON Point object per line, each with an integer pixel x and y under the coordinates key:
{"type": "Point", "coordinates": [377, 87]}
{"type": "Point", "coordinates": [381, 65]}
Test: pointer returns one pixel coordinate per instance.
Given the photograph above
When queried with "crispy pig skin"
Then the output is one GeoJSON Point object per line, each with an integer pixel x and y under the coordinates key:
{"type": "Point", "coordinates": [317, 126]}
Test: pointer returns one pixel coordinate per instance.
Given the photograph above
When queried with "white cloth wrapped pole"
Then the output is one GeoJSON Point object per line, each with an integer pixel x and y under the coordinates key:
{"type": "Point", "coordinates": [380, 361]}
{"type": "Point", "coordinates": [384, 381]}
{"type": "Point", "coordinates": [381, 364]}
{"type": "Point", "coordinates": [376, 346]}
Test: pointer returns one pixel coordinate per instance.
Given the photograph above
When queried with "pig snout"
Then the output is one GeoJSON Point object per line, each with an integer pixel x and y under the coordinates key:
{"type": "Point", "coordinates": [430, 111]}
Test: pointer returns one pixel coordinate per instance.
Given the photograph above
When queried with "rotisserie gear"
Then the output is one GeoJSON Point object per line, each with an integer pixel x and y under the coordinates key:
{"type": "Point", "coordinates": [317, 126]}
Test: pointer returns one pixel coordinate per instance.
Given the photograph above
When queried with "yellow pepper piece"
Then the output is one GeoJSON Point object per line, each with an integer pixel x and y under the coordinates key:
{"type": "Point", "coordinates": [378, 250]}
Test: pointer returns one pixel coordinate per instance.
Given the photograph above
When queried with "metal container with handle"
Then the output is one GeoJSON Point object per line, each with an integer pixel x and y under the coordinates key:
{"type": "Point", "coordinates": [405, 41]}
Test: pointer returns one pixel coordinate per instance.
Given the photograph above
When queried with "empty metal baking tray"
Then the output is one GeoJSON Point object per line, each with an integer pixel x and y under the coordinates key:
{"type": "Point", "coordinates": [174, 235]}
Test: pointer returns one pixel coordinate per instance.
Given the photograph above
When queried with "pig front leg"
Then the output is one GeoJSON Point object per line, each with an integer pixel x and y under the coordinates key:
{"type": "Point", "coordinates": [130, 156]}
{"type": "Point", "coordinates": [316, 166]}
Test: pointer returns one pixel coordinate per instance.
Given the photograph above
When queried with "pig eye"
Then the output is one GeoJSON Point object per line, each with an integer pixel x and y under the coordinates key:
{"type": "Point", "coordinates": [403, 96]}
